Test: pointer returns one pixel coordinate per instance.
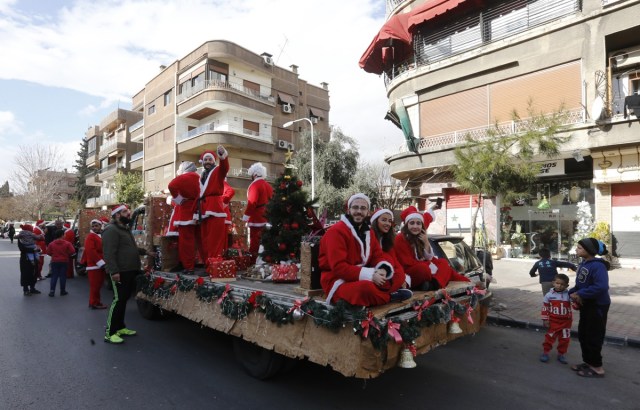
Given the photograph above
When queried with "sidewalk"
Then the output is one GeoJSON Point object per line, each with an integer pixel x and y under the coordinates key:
{"type": "Point", "coordinates": [517, 299]}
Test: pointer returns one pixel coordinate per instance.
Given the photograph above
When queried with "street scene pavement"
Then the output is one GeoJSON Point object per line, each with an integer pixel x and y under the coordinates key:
{"type": "Point", "coordinates": [517, 299]}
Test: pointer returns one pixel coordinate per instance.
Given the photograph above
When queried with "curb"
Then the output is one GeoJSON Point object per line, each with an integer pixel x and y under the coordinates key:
{"type": "Point", "coordinates": [610, 340]}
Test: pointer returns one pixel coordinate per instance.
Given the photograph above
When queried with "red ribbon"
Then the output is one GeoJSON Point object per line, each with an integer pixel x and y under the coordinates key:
{"type": "Point", "coordinates": [421, 307]}
{"type": "Point", "coordinates": [200, 281]}
{"type": "Point", "coordinates": [253, 299]}
{"type": "Point", "coordinates": [297, 305]}
{"type": "Point", "coordinates": [394, 330]}
{"type": "Point", "coordinates": [158, 282]}
{"type": "Point", "coordinates": [445, 296]}
{"type": "Point", "coordinates": [469, 311]}
{"type": "Point", "coordinates": [369, 323]}
{"type": "Point", "coordinates": [412, 348]}
{"type": "Point", "coordinates": [477, 291]}
{"type": "Point", "coordinates": [227, 289]}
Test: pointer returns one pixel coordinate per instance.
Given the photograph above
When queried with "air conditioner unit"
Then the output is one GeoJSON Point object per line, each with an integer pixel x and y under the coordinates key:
{"type": "Point", "coordinates": [287, 108]}
{"type": "Point", "coordinates": [625, 58]}
{"type": "Point", "coordinates": [282, 144]}
{"type": "Point", "coordinates": [291, 147]}
{"type": "Point", "coordinates": [314, 120]}
{"type": "Point", "coordinates": [267, 60]}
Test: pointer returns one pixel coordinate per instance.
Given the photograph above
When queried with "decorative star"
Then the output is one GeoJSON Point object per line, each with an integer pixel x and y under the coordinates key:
{"type": "Point", "coordinates": [636, 218]}
{"type": "Point", "coordinates": [288, 155]}
{"type": "Point", "coordinates": [454, 218]}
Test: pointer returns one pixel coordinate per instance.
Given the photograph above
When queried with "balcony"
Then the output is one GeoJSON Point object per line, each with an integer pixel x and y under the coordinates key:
{"type": "Point", "coordinates": [136, 160]}
{"type": "Point", "coordinates": [225, 86]}
{"type": "Point", "coordinates": [93, 159]}
{"type": "Point", "coordinates": [137, 131]}
{"type": "Point", "coordinates": [108, 171]}
{"type": "Point", "coordinates": [102, 200]}
{"type": "Point", "coordinates": [224, 127]}
{"type": "Point", "coordinates": [113, 144]}
{"type": "Point", "coordinates": [91, 179]}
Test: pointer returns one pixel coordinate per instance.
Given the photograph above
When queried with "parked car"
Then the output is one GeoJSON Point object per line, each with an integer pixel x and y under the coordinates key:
{"type": "Point", "coordinates": [459, 254]}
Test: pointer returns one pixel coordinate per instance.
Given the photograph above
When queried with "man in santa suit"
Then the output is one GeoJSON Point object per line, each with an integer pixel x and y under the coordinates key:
{"type": "Point", "coordinates": [352, 264]}
{"type": "Point", "coordinates": [93, 259]}
{"type": "Point", "coordinates": [38, 230]}
{"type": "Point", "coordinates": [70, 237]}
{"type": "Point", "coordinates": [227, 196]}
{"type": "Point", "coordinates": [185, 190]}
{"type": "Point", "coordinates": [210, 208]}
{"type": "Point", "coordinates": [259, 194]}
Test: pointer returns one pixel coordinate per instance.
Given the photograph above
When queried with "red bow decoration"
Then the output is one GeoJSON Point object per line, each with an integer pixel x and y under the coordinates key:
{"type": "Point", "coordinates": [393, 329]}
{"type": "Point", "coordinates": [454, 318]}
{"type": "Point", "coordinates": [158, 282]}
{"type": "Point", "coordinates": [200, 281]}
{"type": "Point", "coordinates": [412, 348]}
{"type": "Point", "coordinates": [227, 289]}
{"type": "Point", "coordinates": [369, 323]}
{"type": "Point", "coordinates": [445, 296]}
{"type": "Point", "coordinates": [476, 291]}
{"type": "Point", "coordinates": [297, 305]}
{"type": "Point", "coordinates": [253, 299]}
{"type": "Point", "coordinates": [469, 311]}
{"type": "Point", "coordinates": [421, 307]}
{"type": "Point", "coordinates": [174, 288]}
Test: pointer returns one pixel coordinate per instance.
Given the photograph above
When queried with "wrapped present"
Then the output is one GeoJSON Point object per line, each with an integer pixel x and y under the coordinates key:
{"type": "Point", "coordinates": [221, 270]}
{"type": "Point", "coordinates": [284, 273]}
{"type": "Point", "coordinates": [241, 257]}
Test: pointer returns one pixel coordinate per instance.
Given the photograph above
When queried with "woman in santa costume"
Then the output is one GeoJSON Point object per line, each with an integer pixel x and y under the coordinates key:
{"type": "Point", "coordinates": [70, 237]}
{"type": "Point", "coordinates": [424, 270]}
{"type": "Point", "coordinates": [185, 190]}
{"type": "Point", "coordinates": [37, 230]}
{"type": "Point", "coordinates": [352, 264]}
{"type": "Point", "coordinates": [93, 259]}
{"type": "Point", "coordinates": [382, 225]}
{"type": "Point", "coordinates": [210, 208]}
{"type": "Point", "coordinates": [259, 194]}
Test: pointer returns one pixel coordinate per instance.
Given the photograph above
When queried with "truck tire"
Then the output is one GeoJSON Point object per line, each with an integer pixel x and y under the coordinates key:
{"type": "Point", "coordinates": [148, 310]}
{"type": "Point", "coordinates": [258, 362]}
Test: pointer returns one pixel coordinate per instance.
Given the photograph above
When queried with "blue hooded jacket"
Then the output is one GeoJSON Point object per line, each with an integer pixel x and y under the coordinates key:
{"type": "Point", "coordinates": [592, 281]}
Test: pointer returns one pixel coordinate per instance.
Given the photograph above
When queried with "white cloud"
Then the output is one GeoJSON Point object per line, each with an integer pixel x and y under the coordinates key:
{"type": "Point", "coordinates": [8, 124]}
{"type": "Point", "coordinates": [112, 49]}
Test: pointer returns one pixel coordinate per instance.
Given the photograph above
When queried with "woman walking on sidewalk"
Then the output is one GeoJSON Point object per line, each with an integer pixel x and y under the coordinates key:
{"type": "Point", "coordinates": [591, 297]}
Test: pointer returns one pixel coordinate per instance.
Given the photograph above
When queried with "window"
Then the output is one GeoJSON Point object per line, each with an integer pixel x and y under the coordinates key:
{"type": "Point", "coordinates": [167, 98]}
{"type": "Point", "coordinates": [91, 145]}
{"type": "Point", "coordinates": [151, 109]}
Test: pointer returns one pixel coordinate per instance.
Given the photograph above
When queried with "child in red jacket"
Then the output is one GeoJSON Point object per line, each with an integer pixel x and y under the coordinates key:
{"type": "Point", "coordinates": [557, 317]}
{"type": "Point", "coordinates": [60, 251]}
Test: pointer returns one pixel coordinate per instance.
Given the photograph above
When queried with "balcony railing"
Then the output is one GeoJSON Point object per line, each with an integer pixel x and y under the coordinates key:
{"type": "Point", "coordinates": [392, 5]}
{"type": "Point", "coordinates": [136, 125]}
{"type": "Point", "coordinates": [108, 168]}
{"type": "Point", "coordinates": [137, 156]}
{"type": "Point", "coordinates": [452, 139]}
{"type": "Point", "coordinates": [106, 199]}
{"type": "Point", "coordinates": [223, 85]}
{"type": "Point", "coordinates": [222, 127]}
{"type": "Point", "coordinates": [433, 44]}
{"type": "Point", "coordinates": [111, 143]}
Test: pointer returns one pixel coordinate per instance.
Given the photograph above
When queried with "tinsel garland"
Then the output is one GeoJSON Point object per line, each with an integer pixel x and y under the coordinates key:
{"type": "Point", "coordinates": [435, 310]}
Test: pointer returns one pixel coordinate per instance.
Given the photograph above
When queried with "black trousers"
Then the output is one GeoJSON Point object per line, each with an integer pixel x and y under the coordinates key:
{"type": "Point", "coordinates": [121, 293]}
{"type": "Point", "coordinates": [591, 330]}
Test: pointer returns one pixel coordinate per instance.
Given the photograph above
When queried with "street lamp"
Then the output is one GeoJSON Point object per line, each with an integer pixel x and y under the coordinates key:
{"type": "Point", "coordinates": [313, 180]}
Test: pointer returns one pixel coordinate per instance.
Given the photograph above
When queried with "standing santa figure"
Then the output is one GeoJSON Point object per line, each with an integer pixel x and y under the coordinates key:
{"type": "Point", "coordinates": [259, 194]}
{"type": "Point", "coordinates": [210, 207]}
{"type": "Point", "coordinates": [185, 190]}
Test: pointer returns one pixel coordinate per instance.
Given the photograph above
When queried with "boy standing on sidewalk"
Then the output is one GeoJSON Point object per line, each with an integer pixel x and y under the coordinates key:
{"type": "Point", "coordinates": [557, 317]}
{"type": "Point", "coordinates": [548, 269]}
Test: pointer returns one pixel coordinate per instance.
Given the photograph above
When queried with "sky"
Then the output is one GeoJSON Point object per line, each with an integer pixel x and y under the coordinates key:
{"type": "Point", "coordinates": [65, 65]}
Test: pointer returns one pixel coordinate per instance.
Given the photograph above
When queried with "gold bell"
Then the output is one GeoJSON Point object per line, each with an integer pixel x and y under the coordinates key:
{"type": "Point", "coordinates": [454, 328]}
{"type": "Point", "coordinates": [406, 359]}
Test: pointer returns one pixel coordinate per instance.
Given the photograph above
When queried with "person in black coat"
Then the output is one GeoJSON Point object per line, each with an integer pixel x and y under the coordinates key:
{"type": "Point", "coordinates": [12, 232]}
{"type": "Point", "coordinates": [27, 271]}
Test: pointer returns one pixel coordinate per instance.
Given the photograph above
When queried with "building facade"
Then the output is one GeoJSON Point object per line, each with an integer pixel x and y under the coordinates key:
{"type": "Point", "coordinates": [457, 68]}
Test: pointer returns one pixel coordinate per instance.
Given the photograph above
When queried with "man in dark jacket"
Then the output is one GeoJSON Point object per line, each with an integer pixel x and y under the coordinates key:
{"type": "Point", "coordinates": [122, 258]}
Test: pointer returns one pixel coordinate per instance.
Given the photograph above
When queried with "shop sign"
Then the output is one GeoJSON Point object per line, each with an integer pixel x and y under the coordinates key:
{"type": "Point", "coordinates": [549, 168]}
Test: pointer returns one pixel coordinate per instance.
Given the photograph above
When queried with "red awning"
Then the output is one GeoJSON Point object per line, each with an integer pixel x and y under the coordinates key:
{"type": "Point", "coordinates": [395, 38]}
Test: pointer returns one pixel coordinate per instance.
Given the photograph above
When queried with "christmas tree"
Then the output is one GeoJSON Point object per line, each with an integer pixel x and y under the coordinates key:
{"type": "Point", "coordinates": [585, 224]}
{"type": "Point", "coordinates": [288, 214]}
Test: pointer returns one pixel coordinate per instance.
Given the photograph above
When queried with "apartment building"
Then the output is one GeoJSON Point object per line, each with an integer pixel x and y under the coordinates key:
{"type": "Point", "coordinates": [222, 93]}
{"type": "Point", "coordinates": [454, 68]}
{"type": "Point", "coordinates": [60, 184]}
{"type": "Point", "coordinates": [110, 148]}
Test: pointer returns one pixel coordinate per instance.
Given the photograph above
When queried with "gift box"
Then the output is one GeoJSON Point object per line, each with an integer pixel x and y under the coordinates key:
{"type": "Point", "coordinates": [241, 257]}
{"type": "Point", "coordinates": [284, 273]}
{"type": "Point", "coordinates": [221, 270]}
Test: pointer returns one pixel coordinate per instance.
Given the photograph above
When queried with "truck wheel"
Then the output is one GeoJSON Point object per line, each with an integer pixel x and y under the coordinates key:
{"type": "Point", "coordinates": [148, 310]}
{"type": "Point", "coordinates": [257, 361]}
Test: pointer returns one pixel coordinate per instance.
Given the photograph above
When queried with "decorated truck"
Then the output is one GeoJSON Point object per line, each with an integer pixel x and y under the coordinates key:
{"type": "Point", "coordinates": [276, 323]}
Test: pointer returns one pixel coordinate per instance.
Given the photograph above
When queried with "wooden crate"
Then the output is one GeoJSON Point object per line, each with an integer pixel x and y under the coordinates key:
{"type": "Point", "coordinates": [309, 270]}
{"type": "Point", "coordinates": [84, 221]}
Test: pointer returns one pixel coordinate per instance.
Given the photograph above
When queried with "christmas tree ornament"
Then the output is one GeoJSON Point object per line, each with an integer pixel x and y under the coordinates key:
{"type": "Point", "coordinates": [292, 255]}
{"type": "Point", "coordinates": [282, 186]}
{"type": "Point", "coordinates": [454, 327]}
{"type": "Point", "coordinates": [287, 177]}
{"type": "Point", "coordinates": [295, 225]}
{"type": "Point", "coordinates": [297, 314]}
{"type": "Point", "coordinates": [282, 246]}
{"type": "Point", "coordinates": [406, 359]}
{"type": "Point", "coordinates": [284, 198]}
{"type": "Point", "coordinates": [267, 226]}
{"type": "Point", "coordinates": [286, 227]}
{"type": "Point", "coordinates": [299, 183]}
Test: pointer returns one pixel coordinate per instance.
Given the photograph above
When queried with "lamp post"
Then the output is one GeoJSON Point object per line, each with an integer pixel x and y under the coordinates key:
{"type": "Point", "coordinates": [313, 180]}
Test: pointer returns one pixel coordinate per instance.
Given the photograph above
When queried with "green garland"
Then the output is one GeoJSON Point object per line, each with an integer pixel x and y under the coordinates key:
{"type": "Point", "coordinates": [435, 310]}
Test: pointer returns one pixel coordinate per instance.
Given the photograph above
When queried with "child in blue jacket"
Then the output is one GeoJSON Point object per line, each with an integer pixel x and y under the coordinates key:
{"type": "Point", "coordinates": [591, 296]}
{"type": "Point", "coordinates": [548, 269]}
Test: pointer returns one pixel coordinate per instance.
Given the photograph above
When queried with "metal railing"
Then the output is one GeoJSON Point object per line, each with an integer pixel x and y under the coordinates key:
{"type": "Point", "coordinates": [223, 127]}
{"type": "Point", "coordinates": [111, 143]}
{"type": "Point", "coordinates": [109, 167]}
{"type": "Point", "coordinates": [136, 125]}
{"type": "Point", "coordinates": [106, 199]}
{"type": "Point", "coordinates": [137, 156]}
{"type": "Point", "coordinates": [223, 85]}
{"type": "Point", "coordinates": [392, 5]}
{"type": "Point", "coordinates": [432, 44]}
{"type": "Point", "coordinates": [91, 174]}
{"type": "Point", "coordinates": [452, 139]}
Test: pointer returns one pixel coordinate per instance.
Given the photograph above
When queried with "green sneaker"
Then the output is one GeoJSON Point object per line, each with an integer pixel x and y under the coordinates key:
{"type": "Point", "coordinates": [115, 339]}
{"type": "Point", "coordinates": [126, 332]}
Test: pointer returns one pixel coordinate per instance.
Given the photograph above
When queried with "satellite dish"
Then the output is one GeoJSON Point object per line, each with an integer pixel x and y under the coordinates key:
{"type": "Point", "coordinates": [597, 108]}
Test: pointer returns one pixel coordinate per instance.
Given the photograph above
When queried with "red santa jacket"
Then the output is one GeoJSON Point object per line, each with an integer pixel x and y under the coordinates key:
{"type": "Point", "coordinates": [227, 195]}
{"type": "Point", "coordinates": [344, 257]}
{"type": "Point", "coordinates": [212, 189]}
{"type": "Point", "coordinates": [92, 255]}
{"type": "Point", "coordinates": [185, 190]}
{"type": "Point", "coordinates": [258, 195]}
{"type": "Point", "coordinates": [69, 236]}
{"type": "Point", "coordinates": [60, 250]}
{"type": "Point", "coordinates": [40, 244]}
{"type": "Point", "coordinates": [439, 267]}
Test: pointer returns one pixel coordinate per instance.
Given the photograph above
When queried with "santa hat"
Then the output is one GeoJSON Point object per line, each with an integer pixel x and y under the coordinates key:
{"type": "Point", "coordinates": [428, 217]}
{"type": "Point", "coordinates": [26, 227]}
{"type": "Point", "coordinates": [96, 221]}
{"type": "Point", "coordinates": [258, 170]}
{"type": "Point", "coordinates": [409, 214]}
{"type": "Point", "coordinates": [118, 208]}
{"type": "Point", "coordinates": [206, 154]}
{"type": "Point", "coordinates": [186, 166]}
{"type": "Point", "coordinates": [358, 196]}
{"type": "Point", "coordinates": [39, 222]}
{"type": "Point", "coordinates": [379, 213]}
{"type": "Point", "coordinates": [104, 220]}
{"type": "Point", "coordinates": [66, 225]}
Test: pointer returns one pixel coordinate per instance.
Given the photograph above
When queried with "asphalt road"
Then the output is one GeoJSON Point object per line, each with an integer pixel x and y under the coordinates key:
{"type": "Point", "coordinates": [52, 356]}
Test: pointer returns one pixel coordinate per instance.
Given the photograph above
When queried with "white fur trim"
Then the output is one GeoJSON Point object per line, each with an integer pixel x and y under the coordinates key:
{"type": "Point", "coordinates": [434, 268]}
{"type": "Point", "coordinates": [257, 169]}
{"type": "Point", "coordinates": [366, 274]}
{"type": "Point", "coordinates": [172, 233]}
{"type": "Point", "coordinates": [183, 223]}
{"type": "Point", "coordinates": [379, 214]}
{"type": "Point", "coordinates": [256, 224]}
{"type": "Point", "coordinates": [407, 280]}
{"type": "Point", "coordinates": [365, 251]}
{"type": "Point", "coordinates": [335, 287]}
{"type": "Point", "coordinates": [95, 221]}
{"type": "Point", "coordinates": [381, 264]}
{"type": "Point", "coordinates": [118, 209]}
{"type": "Point", "coordinates": [358, 196]}
{"type": "Point", "coordinates": [215, 214]}
{"type": "Point", "coordinates": [93, 268]}
{"type": "Point", "coordinates": [207, 155]}
{"type": "Point", "coordinates": [413, 216]}
{"type": "Point", "coordinates": [100, 263]}
{"type": "Point", "coordinates": [228, 222]}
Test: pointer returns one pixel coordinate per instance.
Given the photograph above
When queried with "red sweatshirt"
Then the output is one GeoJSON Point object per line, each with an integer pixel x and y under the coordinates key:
{"type": "Point", "coordinates": [60, 250]}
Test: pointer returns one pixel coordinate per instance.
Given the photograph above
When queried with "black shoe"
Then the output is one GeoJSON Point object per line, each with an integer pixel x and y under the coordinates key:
{"type": "Point", "coordinates": [35, 292]}
{"type": "Point", "coordinates": [63, 293]}
{"type": "Point", "coordinates": [27, 293]}
{"type": "Point", "coordinates": [400, 295]}
{"type": "Point", "coordinates": [52, 294]}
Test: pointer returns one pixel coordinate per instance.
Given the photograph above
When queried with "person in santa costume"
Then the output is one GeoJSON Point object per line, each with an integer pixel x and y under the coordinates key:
{"type": "Point", "coordinates": [259, 194]}
{"type": "Point", "coordinates": [92, 257]}
{"type": "Point", "coordinates": [352, 264]}
{"type": "Point", "coordinates": [70, 236]}
{"type": "Point", "coordinates": [227, 196]}
{"type": "Point", "coordinates": [424, 270]}
{"type": "Point", "coordinates": [185, 190]}
{"type": "Point", "coordinates": [210, 208]}
{"type": "Point", "coordinates": [38, 229]}
{"type": "Point", "coordinates": [382, 225]}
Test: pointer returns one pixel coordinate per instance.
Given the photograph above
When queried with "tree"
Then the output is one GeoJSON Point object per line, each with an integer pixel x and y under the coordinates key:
{"type": "Point", "coordinates": [5, 192]}
{"type": "Point", "coordinates": [502, 163]}
{"type": "Point", "coordinates": [376, 182]}
{"type": "Point", "coordinates": [35, 177]}
{"type": "Point", "coordinates": [83, 191]}
{"type": "Point", "coordinates": [129, 188]}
